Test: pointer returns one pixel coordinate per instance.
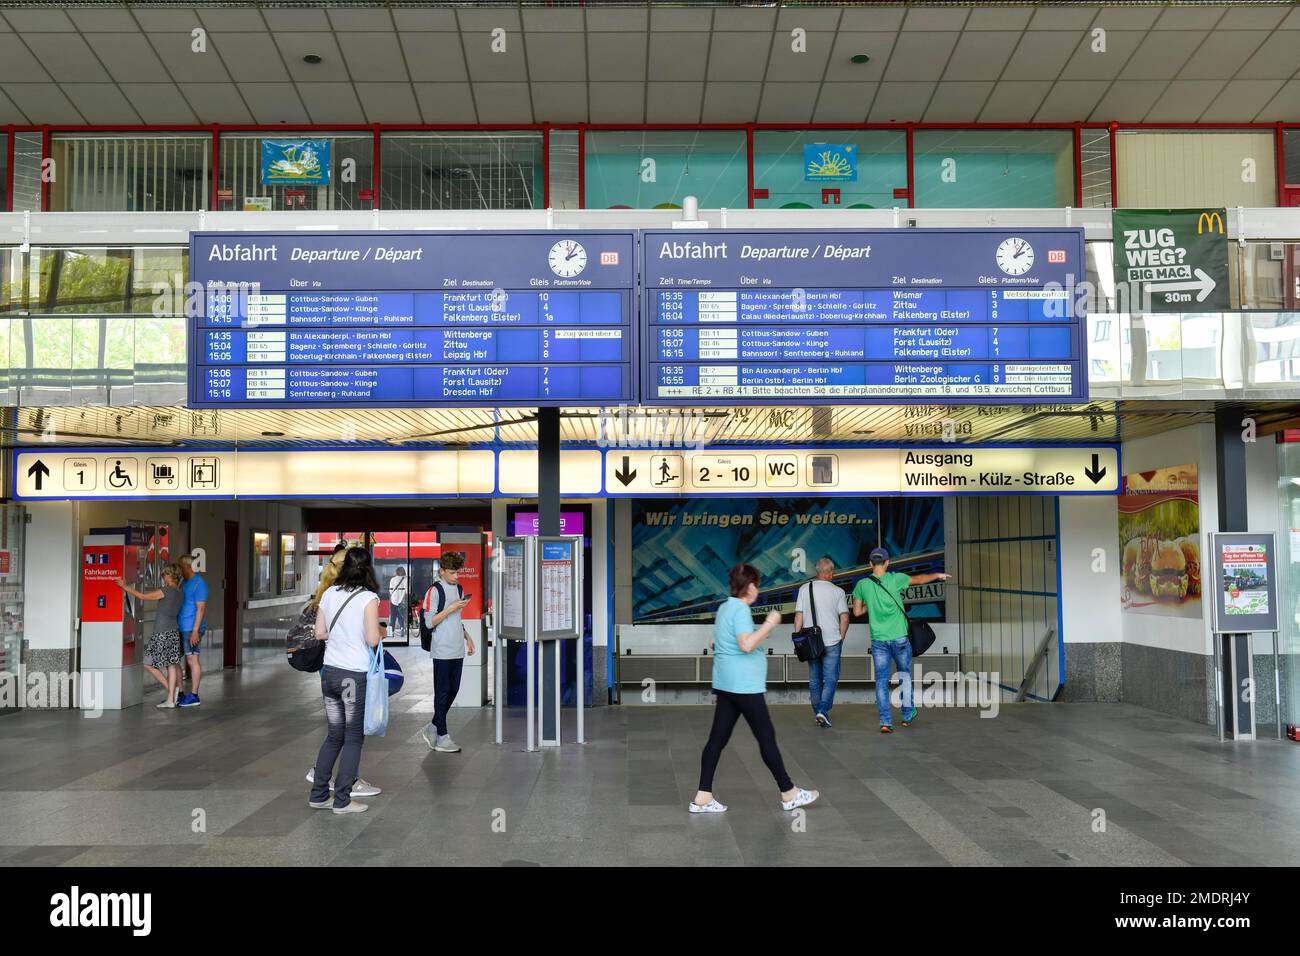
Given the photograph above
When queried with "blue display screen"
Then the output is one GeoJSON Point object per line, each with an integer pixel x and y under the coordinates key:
{"type": "Point", "coordinates": [876, 315]}
{"type": "Point", "coordinates": [385, 319]}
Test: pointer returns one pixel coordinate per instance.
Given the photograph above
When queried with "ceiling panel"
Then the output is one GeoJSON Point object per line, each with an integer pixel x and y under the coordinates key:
{"type": "Point", "coordinates": [104, 101]}
{"type": "Point", "coordinates": [1070, 102]}
{"type": "Point", "coordinates": [438, 21]}
{"type": "Point", "coordinates": [1285, 107]}
{"type": "Point", "coordinates": [159, 103]}
{"type": "Point", "coordinates": [1160, 55]}
{"type": "Point", "coordinates": [556, 20]}
{"type": "Point", "coordinates": [557, 57]}
{"type": "Point", "coordinates": [435, 56]}
{"type": "Point", "coordinates": [674, 102]}
{"type": "Point", "coordinates": [1190, 17]}
{"type": "Point", "coordinates": [274, 103]}
{"type": "Point", "coordinates": [981, 56]}
{"type": "Point", "coordinates": [787, 102]}
{"type": "Point", "coordinates": [608, 20]}
{"type": "Point", "coordinates": [678, 56]}
{"type": "Point", "coordinates": [104, 21]}
{"type": "Point", "coordinates": [844, 102]}
{"type": "Point", "coordinates": [503, 103]}
{"type": "Point", "coordinates": [294, 46]}
{"type": "Point", "coordinates": [900, 102]}
{"type": "Point", "coordinates": [1241, 100]}
{"type": "Point", "coordinates": [44, 101]}
{"type": "Point", "coordinates": [1225, 53]}
{"type": "Point", "coordinates": [17, 64]}
{"type": "Point", "coordinates": [373, 57]}
{"type": "Point", "coordinates": [488, 67]}
{"type": "Point", "coordinates": [738, 56]}
{"type": "Point", "coordinates": [388, 102]}
{"type": "Point", "coordinates": [1184, 101]}
{"type": "Point", "coordinates": [810, 64]}
{"type": "Point", "coordinates": [1277, 58]}
{"type": "Point", "coordinates": [296, 20]}
{"type": "Point", "coordinates": [920, 56]}
{"type": "Point", "coordinates": [216, 102]}
{"type": "Point", "coordinates": [611, 56]}
{"type": "Point", "coordinates": [1063, 18]}
{"type": "Point", "coordinates": [1011, 101]}
{"type": "Point", "coordinates": [38, 21]}
{"type": "Point", "coordinates": [935, 18]}
{"type": "Point", "coordinates": [184, 65]}
{"type": "Point", "coordinates": [560, 102]}
{"type": "Point", "coordinates": [957, 102]}
{"type": "Point", "coordinates": [374, 20]}
{"type": "Point", "coordinates": [1089, 65]}
{"type": "Point", "coordinates": [444, 102]}
{"type": "Point", "coordinates": [998, 18]}
{"type": "Point", "coordinates": [668, 19]}
{"type": "Point", "coordinates": [331, 103]}
{"type": "Point", "coordinates": [739, 20]}
{"type": "Point", "coordinates": [841, 67]}
{"type": "Point", "coordinates": [1127, 101]}
{"type": "Point", "coordinates": [250, 57]}
{"type": "Point", "coordinates": [1042, 55]}
{"type": "Point", "coordinates": [1126, 18]}
{"type": "Point", "coordinates": [807, 18]}
{"type": "Point", "coordinates": [130, 58]}
{"type": "Point", "coordinates": [479, 23]}
{"type": "Point", "coordinates": [616, 102]}
{"type": "Point", "coordinates": [725, 100]}
{"type": "Point", "coordinates": [9, 113]}
{"type": "Point", "coordinates": [220, 20]}
{"type": "Point", "coordinates": [68, 58]}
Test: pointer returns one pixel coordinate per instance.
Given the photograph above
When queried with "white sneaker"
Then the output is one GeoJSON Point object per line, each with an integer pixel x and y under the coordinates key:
{"type": "Point", "coordinates": [802, 798]}
{"type": "Point", "coordinates": [166, 705]}
{"type": "Point", "coordinates": [446, 745]}
{"type": "Point", "coordinates": [711, 807]}
{"type": "Point", "coordinates": [323, 805]}
{"type": "Point", "coordinates": [430, 737]}
{"type": "Point", "coordinates": [352, 807]}
{"type": "Point", "coordinates": [359, 789]}
{"type": "Point", "coordinates": [822, 720]}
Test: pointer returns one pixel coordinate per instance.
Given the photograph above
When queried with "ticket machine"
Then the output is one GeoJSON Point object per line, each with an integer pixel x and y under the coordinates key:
{"type": "Point", "coordinates": [111, 652]}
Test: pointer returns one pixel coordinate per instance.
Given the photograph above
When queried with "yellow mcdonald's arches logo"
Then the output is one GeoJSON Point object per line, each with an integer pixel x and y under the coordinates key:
{"type": "Point", "coordinates": [1208, 220]}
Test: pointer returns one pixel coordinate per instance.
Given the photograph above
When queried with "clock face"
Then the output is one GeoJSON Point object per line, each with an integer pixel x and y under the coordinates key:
{"type": "Point", "coordinates": [567, 258]}
{"type": "Point", "coordinates": [1015, 256]}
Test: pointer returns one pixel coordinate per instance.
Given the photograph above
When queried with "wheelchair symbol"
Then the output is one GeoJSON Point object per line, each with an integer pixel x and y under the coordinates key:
{"type": "Point", "coordinates": [123, 474]}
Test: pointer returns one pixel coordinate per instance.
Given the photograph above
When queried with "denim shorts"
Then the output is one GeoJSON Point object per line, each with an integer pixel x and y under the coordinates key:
{"type": "Point", "coordinates": [186, 646]}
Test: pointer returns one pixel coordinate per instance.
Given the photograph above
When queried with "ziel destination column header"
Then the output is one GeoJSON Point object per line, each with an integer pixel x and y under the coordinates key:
{"type": "Point", "coordinates": [389, 319]}
{"type": "Point", "coordinates": [899, 315]}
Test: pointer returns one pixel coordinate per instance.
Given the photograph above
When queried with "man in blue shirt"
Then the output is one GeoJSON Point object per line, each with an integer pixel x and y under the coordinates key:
{"type": "Point", "coordinates": [192, 625]}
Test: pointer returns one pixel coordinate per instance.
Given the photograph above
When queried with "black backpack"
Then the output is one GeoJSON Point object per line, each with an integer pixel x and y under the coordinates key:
{"type": "Point", "coordinates": [303, 649]}
{"type": "Point", "coordinates": [426, 635]}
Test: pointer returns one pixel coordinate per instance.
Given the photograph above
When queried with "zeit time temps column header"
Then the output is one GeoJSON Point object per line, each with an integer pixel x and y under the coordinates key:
{"type": "Point", "coordinates": [899, 315]}
{"type": "Point", "coordinates": [390, 319]}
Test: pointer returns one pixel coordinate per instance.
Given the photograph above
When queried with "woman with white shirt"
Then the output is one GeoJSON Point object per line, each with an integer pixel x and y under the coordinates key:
{"type": "Point", "coordinates": [348, 622]}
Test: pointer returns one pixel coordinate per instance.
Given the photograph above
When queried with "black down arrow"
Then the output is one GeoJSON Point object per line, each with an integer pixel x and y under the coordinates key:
{"type": "Point", "coordinates": [1095, 473]}
{"type": "Point", "coordinates": [625, 476]}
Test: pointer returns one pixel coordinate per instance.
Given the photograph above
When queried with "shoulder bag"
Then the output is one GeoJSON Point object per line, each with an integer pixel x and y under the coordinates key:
{"type": "Point", "coordinates": [808, 643]}
{"type": "Point", "coordinates": [919, 633]}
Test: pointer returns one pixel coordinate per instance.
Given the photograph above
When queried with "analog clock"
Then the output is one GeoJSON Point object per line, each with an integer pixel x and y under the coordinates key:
{"type": "Point", "coordinates": [1015, 256]}
{"type": "Point", "coordinates": [567, 258]}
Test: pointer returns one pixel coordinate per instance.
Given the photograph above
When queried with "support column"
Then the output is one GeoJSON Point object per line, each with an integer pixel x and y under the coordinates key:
{"type": "Point", "coordinates": [548, 523]}
{"type": "Point", "coordinates": [1236, 715]}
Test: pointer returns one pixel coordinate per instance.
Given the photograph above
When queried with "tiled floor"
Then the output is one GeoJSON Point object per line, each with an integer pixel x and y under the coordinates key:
{"type": "Point", "coordinates": [223, 784]}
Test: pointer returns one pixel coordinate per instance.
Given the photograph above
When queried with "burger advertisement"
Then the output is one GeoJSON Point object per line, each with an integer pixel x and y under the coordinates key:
{"type": "Point", "coordinates": [1160, 542]}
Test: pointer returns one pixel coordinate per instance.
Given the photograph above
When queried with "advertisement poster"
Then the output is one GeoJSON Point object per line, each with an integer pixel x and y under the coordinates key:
{"type": "Point", "coordinates": [300, 162]}
{"type": "Point", "coordinates": [683, 549]}
{"type": "Point", "coordinates": [830, 163]}
{"type": "Point", "coordinates": [1171, 260]}
{"type": "Point", "coordinates": [1160, 543]}
{"type": "Point", "coordinates": [1245, 579]}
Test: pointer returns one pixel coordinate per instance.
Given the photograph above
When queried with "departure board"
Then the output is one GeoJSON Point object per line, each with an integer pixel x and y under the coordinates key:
{"type": "Point", "coordinates": [900, 315]}
{"type": "Point", "coordinates": [468, 318]}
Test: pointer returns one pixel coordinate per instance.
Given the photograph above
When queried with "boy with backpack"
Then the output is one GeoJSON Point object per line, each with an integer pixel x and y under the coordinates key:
{"type": "Point", "coordinates": [444, 636]}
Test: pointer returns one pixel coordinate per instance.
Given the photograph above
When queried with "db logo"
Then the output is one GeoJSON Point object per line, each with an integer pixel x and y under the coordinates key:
{"type": "Point", "coordinates": [1055, 255]}
{"type": "Point", "coordinates": [609, 258]}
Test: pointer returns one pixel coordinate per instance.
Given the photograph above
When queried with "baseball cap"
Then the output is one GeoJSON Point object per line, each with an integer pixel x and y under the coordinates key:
{"type": "Point", "coordinates": [877, 555]}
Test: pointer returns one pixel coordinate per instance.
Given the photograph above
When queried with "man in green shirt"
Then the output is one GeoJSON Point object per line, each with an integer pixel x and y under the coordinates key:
{"type": "Point", "coordinates": [879, 596]}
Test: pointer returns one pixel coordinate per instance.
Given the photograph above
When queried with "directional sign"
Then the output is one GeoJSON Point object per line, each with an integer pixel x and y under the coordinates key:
{"type": "Point", "coordinates": [1171, 260]}
{"type": "Point", "coordinates": [471, 318]}
{"type": "Point", "coordinates": [956, 315]}
{"type": "Point", "coordinates": [950, 469]}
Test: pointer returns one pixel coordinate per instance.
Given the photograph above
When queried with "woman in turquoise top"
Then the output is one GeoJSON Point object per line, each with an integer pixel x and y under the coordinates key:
{"type": "Point", "coordinates": [740, 682]}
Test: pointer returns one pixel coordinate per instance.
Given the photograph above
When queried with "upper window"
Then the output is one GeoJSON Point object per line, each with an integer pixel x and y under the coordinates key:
{"type": "Point", "coordinates": [4, 172]}
{"type": "Point", "coordinates": [461, 170]}
{"type": "Point", "coordinates": [291, 170]}
{"type": "Point", "coordinates": [998, 169]}
{"type": "Point", "coordinates": [130, 172]}
{"type": "Point", "coordinates": [1170, 169]}
{"type": "Point", "coordinates": [811, 169]}
{"type": "Point", "coordinates": [657, 169]}
{"type": "Point", "coordinates": [263, 571]}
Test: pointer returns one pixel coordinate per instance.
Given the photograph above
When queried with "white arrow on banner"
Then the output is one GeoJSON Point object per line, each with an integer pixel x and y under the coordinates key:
{"type": "Point", "coordinates": [1202, 282]}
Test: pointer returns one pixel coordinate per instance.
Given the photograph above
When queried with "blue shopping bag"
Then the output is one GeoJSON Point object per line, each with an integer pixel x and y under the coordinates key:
{"type": "Point", "coordinates": [393, 671]}
{"type": "Point", "coordinates": [376, 715]}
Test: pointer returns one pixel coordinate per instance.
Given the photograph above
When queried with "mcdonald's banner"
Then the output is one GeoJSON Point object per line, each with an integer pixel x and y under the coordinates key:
{"type": "Point", "coordinates": [1171, 260]}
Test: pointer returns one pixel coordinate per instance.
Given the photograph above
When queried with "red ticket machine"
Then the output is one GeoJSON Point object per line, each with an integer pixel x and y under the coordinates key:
{"type": "Point", "coordinates": [111, 657]}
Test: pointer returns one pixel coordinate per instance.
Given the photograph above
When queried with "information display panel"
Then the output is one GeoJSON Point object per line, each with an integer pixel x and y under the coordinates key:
{"type": "Point", "coordinates": [901, 315]}
{"type": "Point", "coordinates": [391, 319]}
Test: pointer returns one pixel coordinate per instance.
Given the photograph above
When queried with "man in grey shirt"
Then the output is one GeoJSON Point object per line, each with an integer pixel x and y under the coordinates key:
{"type": "Point", "coordinates": [833, 618]}
{"type": "Point", "coordinates": [441, 608]}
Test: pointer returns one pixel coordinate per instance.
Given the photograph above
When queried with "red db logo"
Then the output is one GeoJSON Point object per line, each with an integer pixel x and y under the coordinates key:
{"type": "Point", "coordinates": [609, 258]}
{"type": "Point", "coordinates": [1055, 255]}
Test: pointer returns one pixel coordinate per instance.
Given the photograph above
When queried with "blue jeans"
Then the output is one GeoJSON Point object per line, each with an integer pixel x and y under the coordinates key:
{"type": "Point", "coordinates": [345, 703]}
{"type": "Point", "coordinates": [899, 654]}
{"type": "Point", "coordinates": [823, 675]}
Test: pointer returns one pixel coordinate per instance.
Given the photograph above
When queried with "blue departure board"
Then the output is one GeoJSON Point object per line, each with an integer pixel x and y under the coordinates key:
{"type": "Point", "coordinates": [902, 315]}
{"type": "Point", "coordinates": [391, 319]}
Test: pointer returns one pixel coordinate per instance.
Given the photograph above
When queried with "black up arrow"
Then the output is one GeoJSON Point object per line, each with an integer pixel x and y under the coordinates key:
{"type": "Point", "coordinates": [1095, 473]}
{"type": "Point", "coordinates": [624, 476]}
{"type": "Point", "coordinates": [38, 471]}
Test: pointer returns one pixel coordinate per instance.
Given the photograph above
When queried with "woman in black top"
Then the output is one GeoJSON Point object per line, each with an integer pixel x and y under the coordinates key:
{"type": "Point", "coordinates": [165, 645]}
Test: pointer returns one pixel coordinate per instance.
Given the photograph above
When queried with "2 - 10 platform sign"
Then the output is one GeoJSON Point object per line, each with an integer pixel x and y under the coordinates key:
{"type": "Point", "coordinates": [912, 315]}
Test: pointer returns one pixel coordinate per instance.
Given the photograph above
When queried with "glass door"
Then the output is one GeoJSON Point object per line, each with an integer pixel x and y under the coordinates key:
{"type": "Point", "coordinates": [392, 557]}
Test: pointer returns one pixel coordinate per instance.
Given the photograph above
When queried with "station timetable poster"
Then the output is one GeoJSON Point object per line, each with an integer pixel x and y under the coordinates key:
{"type": "Point", "coordinates": [683, 549]}
{"type": "Point", "coordinates": [390, 319]}
{"type": "Point", "coordinates": [896, 315]}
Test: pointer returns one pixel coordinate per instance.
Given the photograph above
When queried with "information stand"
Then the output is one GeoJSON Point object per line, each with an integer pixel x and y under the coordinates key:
{"type": "Point", "coordinates": [1244, 592]}
{"type": "Point", "coordinates": [539, 583]}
